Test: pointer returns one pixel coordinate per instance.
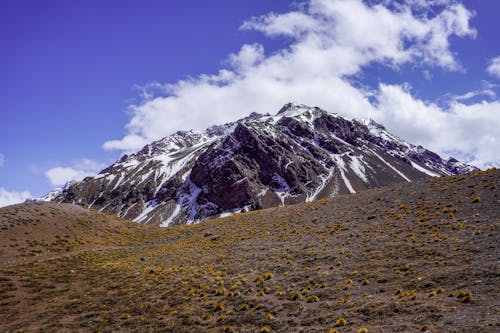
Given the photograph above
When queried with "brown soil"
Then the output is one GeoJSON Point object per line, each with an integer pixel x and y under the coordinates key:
{"type": "Point", "coordinates": [39, 230]}
{"type": "Point", "coordinates": [410, 258]}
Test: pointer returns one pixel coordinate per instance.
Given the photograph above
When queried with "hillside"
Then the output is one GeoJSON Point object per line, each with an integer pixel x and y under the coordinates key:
{"type": "Point", "coordinates": [42, 230]}
{"type": "Point", "coordinates": [417, 257]}
{"type": "Point", "coordinates": [300, 154]}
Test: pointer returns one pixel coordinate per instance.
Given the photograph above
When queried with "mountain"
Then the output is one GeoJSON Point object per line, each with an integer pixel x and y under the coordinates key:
{"type": "Point", "coordinates": [300, 154]}
{"type": "Point", "coordinates": [52, 195]}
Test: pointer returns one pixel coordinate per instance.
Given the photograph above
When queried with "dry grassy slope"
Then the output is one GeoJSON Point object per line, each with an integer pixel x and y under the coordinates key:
{"type": "Point", "coordinates": [41, 230]}
{"type": "Point", "coordinates": [410, 258]}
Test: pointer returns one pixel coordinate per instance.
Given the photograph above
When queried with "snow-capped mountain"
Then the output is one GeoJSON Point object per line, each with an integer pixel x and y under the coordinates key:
{"type": "Point", "coordinates": [54, 194]}
{"type": "Point", "coordinates": [300, 154]}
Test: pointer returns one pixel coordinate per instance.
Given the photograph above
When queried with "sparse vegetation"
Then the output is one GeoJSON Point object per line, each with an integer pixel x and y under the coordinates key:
{"type": "Point", "coordinates": [340, 322]}
{"type": "Point", "coordinates": [320, 266]}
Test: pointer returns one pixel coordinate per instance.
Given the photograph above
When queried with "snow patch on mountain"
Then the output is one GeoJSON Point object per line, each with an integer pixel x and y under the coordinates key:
{"type": "Point", "coordinates": [301, 153]}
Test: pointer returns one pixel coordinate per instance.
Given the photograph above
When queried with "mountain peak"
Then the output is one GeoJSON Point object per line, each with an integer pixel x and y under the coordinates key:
{"type": "Point", "coordinates": [301, 154]}
{"type": "Point", "coordinates": [293, 108]}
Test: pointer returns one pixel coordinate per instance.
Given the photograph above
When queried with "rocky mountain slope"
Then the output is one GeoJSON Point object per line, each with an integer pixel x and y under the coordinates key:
{"type": "Point", "coordinates": [300, 154]}
{"type": "Point", "coordinates": [418, 257]}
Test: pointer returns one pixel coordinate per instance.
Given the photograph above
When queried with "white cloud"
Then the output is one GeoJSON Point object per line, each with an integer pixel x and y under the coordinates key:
{"type": "Point", "coordinates": [12, 197]}
{"type": "Point", "coordinates": [329, 42]}
{"type": "Point", "coordinates": [469, 132]}
{"type": "Point", "coordinates": [488, 93]}
{"type": "Point", "coordinates": [249, 56]}
{"type": "Point", "coordinates": [149, 90]}
{"type": "Point", "coordinates": [373, 33]}
{"type": "Point", "coordinates": [494, 67]}
{"type": "Point", "coordinates": [131, 141]}
{"type": "Point", "coordinates": [60, 175]}
{"type": "Point", "coordinates": [292, 24]}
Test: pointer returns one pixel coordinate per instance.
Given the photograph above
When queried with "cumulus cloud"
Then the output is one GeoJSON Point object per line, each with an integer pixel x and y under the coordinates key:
{"type": "Point", "coordinates": [330, 42]}
{"type": "Point", "coordinates": [12, 197]}
{"type": "Point", "coordinates": [248, 56]}
{"type": "Point", "coordinates": [494, 67]}
{"type": "Point", "coordinates": [373, 33]}
{"type": "Point", "coordinates": [60, 175]}
{"type": "Point", "coordinates": [468, 132]}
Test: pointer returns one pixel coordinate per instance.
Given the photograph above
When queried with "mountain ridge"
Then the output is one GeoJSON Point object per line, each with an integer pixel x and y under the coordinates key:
{"type": "Point", "coordinates": [300, 154]}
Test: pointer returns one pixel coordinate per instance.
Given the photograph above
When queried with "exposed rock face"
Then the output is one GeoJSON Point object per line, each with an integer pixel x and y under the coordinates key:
{"type": "Point", "coordinates": [300, 154]}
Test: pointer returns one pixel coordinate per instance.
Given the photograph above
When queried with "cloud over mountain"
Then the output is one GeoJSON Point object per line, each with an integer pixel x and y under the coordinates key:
{"type": "Point", "coordinates": [80, 169]}
{"type": "Point", "coordinates": [329, 42]}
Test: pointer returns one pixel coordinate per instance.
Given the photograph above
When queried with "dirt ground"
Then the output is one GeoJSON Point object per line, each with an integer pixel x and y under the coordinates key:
{"type": "Point", "coordinates": [419, 257]}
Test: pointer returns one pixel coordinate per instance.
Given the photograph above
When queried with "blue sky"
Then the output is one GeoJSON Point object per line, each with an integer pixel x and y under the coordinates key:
{"type": "Point", "coordinates": [82, 82]}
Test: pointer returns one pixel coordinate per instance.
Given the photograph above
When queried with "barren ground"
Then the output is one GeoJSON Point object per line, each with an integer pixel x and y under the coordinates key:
{"type": "Point", "coordinates": [410, 258]}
